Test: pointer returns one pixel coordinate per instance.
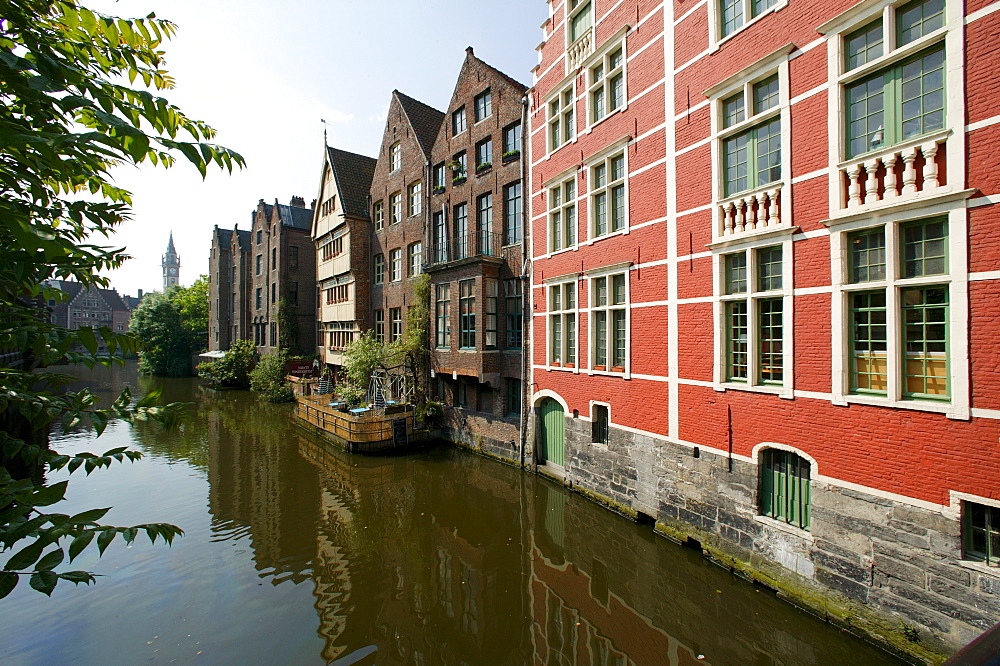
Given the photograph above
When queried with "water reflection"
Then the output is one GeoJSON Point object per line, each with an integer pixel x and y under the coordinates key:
{"type": "Point", "coordinates": [433, 558]}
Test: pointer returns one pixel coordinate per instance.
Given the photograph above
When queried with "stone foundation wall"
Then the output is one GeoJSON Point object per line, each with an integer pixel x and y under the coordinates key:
{"type": "Point", "coordinates": [889, 569]}
{"type": "Point", "coordinates": [483, 433]}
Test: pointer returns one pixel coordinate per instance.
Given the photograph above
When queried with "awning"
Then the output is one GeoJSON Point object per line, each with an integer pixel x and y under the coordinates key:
{"type": "Point", "coordinates": [218, 353]}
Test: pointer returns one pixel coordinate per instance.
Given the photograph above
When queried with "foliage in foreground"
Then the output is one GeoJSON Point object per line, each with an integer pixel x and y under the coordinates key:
{"type": "Point", "coordinates": [68, 114]}
{"type": "Point", "coordinates": [172, 326]}
{"type": "Point", "coordinates": [268, 378]}
{"type": "Point", "coordinates": [233, 369]}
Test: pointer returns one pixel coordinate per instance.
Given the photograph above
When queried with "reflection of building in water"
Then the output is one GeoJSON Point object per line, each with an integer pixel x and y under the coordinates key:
{"type": "Point", "coordinates": [592, 599]}
{"type": "Point", "coordinates": [418, 564]}
{"type": "Point", "coordinates": [260, 487]}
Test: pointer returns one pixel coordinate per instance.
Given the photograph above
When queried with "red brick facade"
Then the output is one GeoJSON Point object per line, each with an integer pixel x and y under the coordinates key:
{"type": "Point", "coordinates": [726, 307]}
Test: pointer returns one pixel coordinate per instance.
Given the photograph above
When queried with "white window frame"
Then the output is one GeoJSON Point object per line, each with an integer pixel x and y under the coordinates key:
{"type": "Point", "coordinates": [415, 198]}
{"type": "Point", "coordinates": [715, 36]}
{"type": "Point", "coordinates": [752, 296]}
{"type": "Point", "coordinates": [606, 158]}
{"type": "Point", "coordinates": [378, 212]}
{"type": "Point", "coordinates": [561, 210]}
{"type": "Point", "coordinates": [953, 133]}
{"type": "Point", "coordinates": [395, 207]}
{"type": "Point", "coordinates": [959, 404]}
{"type": "Point", "coordinates": [775, 63]}
{"type": "Point", "coordinates": [565, 100]}
{"type": "Point", "coordinates": [488, 96]}
{"type": "Point", "coordinates": [458, 115]}
{"type": "Point", "coordinates": [415, 258]}
{"type": "Point", "coordinates": [609, 272]}
{"type": "Point", "coordinates": [395, 264]}
{"type": "Point", "coordinates": [603, 59]}
{"type": "Point", "coordinates": [395, 157]}
{"type": "Point", "coordinates": [562, 283]}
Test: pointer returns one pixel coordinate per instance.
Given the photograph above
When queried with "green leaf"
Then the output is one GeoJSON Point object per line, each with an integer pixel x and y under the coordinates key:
{"type": "Point", "coordinates": [77, 577]}
{"type": "Point", "coordinates": [87, 339]}
{"type": "Point", "coordinates": [25, 557]}
{"type": "Point", "coordinates": [90, 516]}
{"type": "Point", "coordinates": [51, 560]}
{"type": "Point", "coordinates": [48, 495]}
{"type": "Point", "coordinates": [44, 581]}
{"type": "Point", "coordinates": [104, 539]}
{"type": "Point", "coordinates": [8, 581]}
{"type": "Point", "coordinates": [80, 543]}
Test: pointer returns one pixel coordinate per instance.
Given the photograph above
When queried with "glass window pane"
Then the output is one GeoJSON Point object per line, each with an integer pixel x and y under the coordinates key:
{"type": "Point", "coordinates": [863, 46]}
{"type": "Point", "coordinates": [736, 273]}
{"type": "Point", "coordinates": [732, 16]}
{"type": "Point", "coordinates": [867, 258]}
{"type": "Point", "coordinates": [736, 155]}
{"type": "Point", "coordinates": [865, 115]}
{"type": "Point", "coordinates": [869, 365]}
{"type": "Point", "coordinates": [736, 341]}
{"type": "Point", "coordinates": [769, 354]}
{"type": "Point", "coordinates": [925, 248]}
{"type": "Point", "coordinates": [923, 94]}
{"type": "Point", "coordinates": [769, 268]}
{"type": "Point", "coordinates": [733, 110]}
{"type": "Point", "coordinates": [919, 18]}
{"type": "Point", "coordinates": [768, 145]}
{"type": "Point", "coordinates": [765, 94]}
{"type": "Point", "coordinates": [925, 338]}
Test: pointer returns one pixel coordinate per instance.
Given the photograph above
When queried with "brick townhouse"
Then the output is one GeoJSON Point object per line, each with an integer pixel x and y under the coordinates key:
{"type": "Point", "coordinates": [398, 198]}
{"type": "Point", "coordinates": [475, 259]}
{"type": "Point", "coordinates": [282, 264]}
{"type": "Point", "coordinates": [89, 307]}
{"type": "Point", "coordinates": [765, 293]}
{"type": "Point", "coordinates": [341, 232]}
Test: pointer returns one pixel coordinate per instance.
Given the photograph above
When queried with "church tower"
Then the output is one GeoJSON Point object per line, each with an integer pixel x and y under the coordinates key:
{"type": "Point", "coordinates": [171, 265]}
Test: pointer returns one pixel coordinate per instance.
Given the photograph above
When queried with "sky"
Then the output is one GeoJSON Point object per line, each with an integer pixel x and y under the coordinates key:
{"type": "Point", "coordinates": [264, 74]}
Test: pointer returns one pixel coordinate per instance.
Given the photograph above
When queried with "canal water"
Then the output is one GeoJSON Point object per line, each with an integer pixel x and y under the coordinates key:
{"type": "Point", "coordinates": [298, 553]}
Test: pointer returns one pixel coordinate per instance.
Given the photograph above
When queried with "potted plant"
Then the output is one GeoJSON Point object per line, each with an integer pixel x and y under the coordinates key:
{"type": "Point", "coordinates": [480, 168]}
{"type": "Point", "coordinates": [511, 155]}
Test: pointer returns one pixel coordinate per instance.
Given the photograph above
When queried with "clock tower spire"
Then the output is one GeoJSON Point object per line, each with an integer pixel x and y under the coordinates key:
{"type": "Point", "coordinates": [171, 265]}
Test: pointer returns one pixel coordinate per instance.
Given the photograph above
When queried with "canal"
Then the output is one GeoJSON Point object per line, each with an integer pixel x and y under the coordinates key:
{"type": "Point", "coordinates": [297, 553]}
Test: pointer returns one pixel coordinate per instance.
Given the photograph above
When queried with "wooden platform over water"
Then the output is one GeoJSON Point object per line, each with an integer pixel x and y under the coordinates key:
{"type": "Point", "coordinates": [363, 432]}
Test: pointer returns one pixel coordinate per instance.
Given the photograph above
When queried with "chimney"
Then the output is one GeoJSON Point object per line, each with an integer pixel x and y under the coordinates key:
{"type": "Point", "coordinates": [298, 202]}
{"type": "Point", "coordinates": [312, 206]}
{"type": "Point", "coordinates": [140, 294]}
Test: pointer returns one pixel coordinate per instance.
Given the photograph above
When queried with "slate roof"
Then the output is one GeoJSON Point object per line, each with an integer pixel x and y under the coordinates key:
{"type": "Point", "coordinates": [243, 236]}
{"type": "Point", "coordinates": [295, 217]}
{"type": "Point", "coordinates": [112, 299]}
{"type": "Point", "coordinates": [225, 236]}
{"type": "Point", "coordinates": [425, 121]}
{"type": "Point", "coordinates": [353, 174]}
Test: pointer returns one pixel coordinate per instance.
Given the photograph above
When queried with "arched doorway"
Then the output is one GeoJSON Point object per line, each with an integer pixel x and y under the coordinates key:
{"type": "Point", "coordinates": [551, 433]}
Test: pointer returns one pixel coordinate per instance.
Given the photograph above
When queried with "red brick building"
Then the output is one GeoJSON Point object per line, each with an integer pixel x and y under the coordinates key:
{"type": "Point", "coordinates": [282, 270]}
{"type": "Point", "coordinates": [765, 295]}
{"type": "Point", "coordinates": [475, 260]}
{"type": "Point", "coordinates": [398, 204]}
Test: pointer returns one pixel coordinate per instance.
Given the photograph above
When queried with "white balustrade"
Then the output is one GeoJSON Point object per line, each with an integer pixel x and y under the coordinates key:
{"type": "Point", "coordinates": [875, 179]}
{"type": "Point", "coordinates": [753, 211]}
{"type": "Point", "coordinates": [580, 49]}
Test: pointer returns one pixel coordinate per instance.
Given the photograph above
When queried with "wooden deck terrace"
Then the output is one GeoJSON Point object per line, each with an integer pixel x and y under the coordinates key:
{"type": "Point", "coordinates": [359, 433]}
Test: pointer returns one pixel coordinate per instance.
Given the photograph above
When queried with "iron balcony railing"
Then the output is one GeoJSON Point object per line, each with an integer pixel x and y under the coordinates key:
{"type": "Point", "coordinates": [482, 244]}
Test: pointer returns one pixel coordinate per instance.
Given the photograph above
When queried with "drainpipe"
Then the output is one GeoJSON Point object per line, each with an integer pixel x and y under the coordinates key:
{"type": "Point", "coordinates": [526, 290]}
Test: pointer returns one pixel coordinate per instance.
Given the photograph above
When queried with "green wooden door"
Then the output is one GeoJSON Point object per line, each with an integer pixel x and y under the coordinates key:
{"type": "Point", "coordinates": [552, 440]}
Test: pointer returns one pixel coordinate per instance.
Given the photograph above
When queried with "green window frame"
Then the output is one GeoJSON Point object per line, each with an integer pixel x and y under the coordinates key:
{"type": "Point", "coordinates": [770, 327]}
{"type": "Point", "coordinates": [869, 342]}
{"type": "Point", "coordinates": [867, 255]}
{"type": "Point", "coordinates": [925, 342]}
{"type": "Point", "coordinates": [736, 273]}
{"type": "Point", "coordinates": [610, 322]}
{"type": "Point", "coordinates": [981, 533]}
{"type": "Point", "coordinates": [562, 215]}
{"type": "Point", "coordinates": [752, 158]}
{"type": "Point", "coordinates": [562, 324]}
{"type": "Point", "coordinates": [562, 127]}
{"type": "Point", "coordinates": [769, 268]}
{"type": "Point", "coordinates": [467, 314]}
{"type": "Point", "coordinates": [442, 314]}
{"type": "Point", "coordinates": [925, 248]}
{"type": "Point", "coordinates": [579, 19]}
{"type": "Point", "coordinates": [896, 104]}
{"type": "Point", "coordinates": [607, 179]}
{"type": "Point", "coordinates": [785, 488]}
{"type": "Point", "coordinates": [737, 338]}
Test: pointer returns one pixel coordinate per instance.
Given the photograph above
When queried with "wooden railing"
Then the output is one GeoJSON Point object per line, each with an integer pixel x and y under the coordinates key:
{"type": "Point", "coordinates": [363, 432]}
